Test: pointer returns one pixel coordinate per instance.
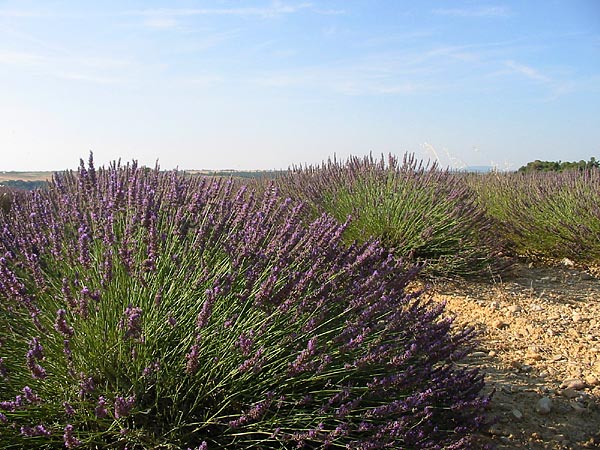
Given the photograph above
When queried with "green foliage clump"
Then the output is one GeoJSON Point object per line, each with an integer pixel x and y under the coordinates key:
{"type": "Point", "coordinates": [145, 309]}
{"type": "Point", "coordinates": [423, 213]}
{"type": "Point", "coordinates": [545, 214]}
{"type": "Point", "coordinates": [6, 199]}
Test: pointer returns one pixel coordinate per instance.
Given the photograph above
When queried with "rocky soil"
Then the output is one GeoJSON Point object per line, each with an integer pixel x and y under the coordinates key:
{"type": "Point", "coordinates": [539, 347]}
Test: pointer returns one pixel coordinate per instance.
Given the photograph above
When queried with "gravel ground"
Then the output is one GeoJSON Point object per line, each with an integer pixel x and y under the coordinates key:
{"type": "Point", "coordinates": [539, 346]}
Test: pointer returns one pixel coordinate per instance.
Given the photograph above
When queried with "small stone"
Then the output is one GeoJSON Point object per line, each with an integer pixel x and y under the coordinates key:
{"type": "Point", "coordinates": [577, 407]}
{"type": "Point", "coordinates": [569, 393]}
{"type": "Point", "coordinates": [544, 405]}
{"type": "Point", "coordinates": [510, 389]}
{"type": "Point", "coordinates": [567, 262]}
{"type": "Point", "coordinates": [525, 368]}
{"type": "Point", "coordinates": [559, 438]}
{"type": "Point", "coordinates": [574, 384]}
{"type": "Point", "coordinates": [478, 354]}
{"type": "Point", "coordinates": [517, 414]}
{"type": "Point", "coordinates": [500, 324]}
{"type": "Point", "coordinates": [577, 317]}
{"type": "Point", "coordinates": [494, 430]}
{"type": "Point", "coordinates": [492, 353]}
{"type": "Point", "coordinates": [534, 356]}
{"type": "Point", "coordinates": [592, 380]}
{"type": "Point", "coordinates": [556, 358]}
{"type": "Point", "coordinates": [514, 309]}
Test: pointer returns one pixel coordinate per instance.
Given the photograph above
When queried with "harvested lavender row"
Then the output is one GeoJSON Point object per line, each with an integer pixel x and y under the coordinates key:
{"type": "Point", "coordinates": [422, 212]}
{"type": "Point", "coordinates": [142, 309]}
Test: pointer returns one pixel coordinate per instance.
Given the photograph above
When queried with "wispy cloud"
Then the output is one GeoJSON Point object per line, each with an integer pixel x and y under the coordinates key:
{"type": "Point", "coordinates": [204, 80]}
{"type": "Point", "coordinates": [159, 22]}
{"type": "Point", "coordinates": [555, 86]}
{"type": "Point", "coordinates": [480, 11]}
{"type": "Point", "coordinates": [527, 71]}
{"type": "Point", "coordinates": [94, 70]}
{"type": "Point", "coordinates": [276, 8]}
{"type": "Point", "coordinates": [351, 79]}
{"type": "Point", "coordinates": [14, 14]}
{"type": "Point", "coordinates": [87, 77]}
{"type": "Point", "coordinates": [13, 58]}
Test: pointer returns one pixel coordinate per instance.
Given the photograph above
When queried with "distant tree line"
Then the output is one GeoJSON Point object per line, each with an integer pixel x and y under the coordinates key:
{"type": "Point", "coordinates": [560, 166]}
{"type": "Point", "coordinates": [24, 185]}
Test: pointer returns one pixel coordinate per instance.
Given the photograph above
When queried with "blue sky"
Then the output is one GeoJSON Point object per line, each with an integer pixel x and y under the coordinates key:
{"type": "Point", "coordinates": [263, 84]}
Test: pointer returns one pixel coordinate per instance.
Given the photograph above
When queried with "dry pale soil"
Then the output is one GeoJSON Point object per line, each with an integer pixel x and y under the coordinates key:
{"type": "Point", "coordinates": [539, 347]}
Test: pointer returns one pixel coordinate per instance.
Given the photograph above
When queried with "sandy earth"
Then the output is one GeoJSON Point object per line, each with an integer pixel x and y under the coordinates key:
{"type": "Point", "coordinates": [539, 339]}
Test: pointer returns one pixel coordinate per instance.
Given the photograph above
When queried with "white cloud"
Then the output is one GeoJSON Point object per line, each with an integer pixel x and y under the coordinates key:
{"type": "Point", "coordinates": [483, 12]}
{"type": "Point", "coordinates": [94, 70]}
{"type": "Point", "coordinates": [14, 14]}
{"type": "Point", "coordinates": [527, 71]}
{"type": "Point", "coordinates": [168, 15]}
{"type": "Point", "coordinates": [160, 22]}
{"type": "Point", "coordinates": [20, 58]}
{"type": "Point", "coordinates": [204, 80]}
{"type": "Point", "coordinates": [348, 78]}
{"type": "Point", "coordinates": [80, 76]}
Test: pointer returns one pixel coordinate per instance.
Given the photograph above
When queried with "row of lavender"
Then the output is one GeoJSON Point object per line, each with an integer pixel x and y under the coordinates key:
{"type": "Point", "coordinates": [457, 223]}
{"type": "Point", "coordinates": [547, 214]}
{"type": "Point", "coordinates": [147, 309]}
{"type": "Point", "coordinates": [422, 213]}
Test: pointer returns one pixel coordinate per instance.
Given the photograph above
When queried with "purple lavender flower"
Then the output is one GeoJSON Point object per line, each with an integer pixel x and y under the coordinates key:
{"type": "Point", "coordinates": [30, 396]}
{"type": "Point", "coordinates": [84, 245]}
{"type": "Point", "coordinates": [123, 406]}
{"type": "Point", "coordinates": [192, 358]}
{"type": "Point", "coordinates": [35, 349]}
{"type": "Point", "coordinates": [61, 324]}
{"type": "Point", "coordinates": [35, 353]}
{"type": "Point", "coordinates": [158, 297]}
{"type": "Point", "coordinates": [68, 296]}
{"type": "Point", "coordinates": [86, 385]}
{"type": "Point", "coordinates": [255, 362]}
{"type": "Point", "coordinates": [70, 440]}
{"type": "Point", "coordinates": [101, 412]}
{"type": "Point", "coordinates": [151, 368]}
{"type": "Point", "coordinates": [206, 311]}
{"type": "Point", "coordinates": [171, 320]}
{"type": "Point", "coordinates": [3, 418]}
{"type": "Point", "coordinates": [84, 301]}
{"type": "Point", "coordinates": [132, 323]}
{"type": "Point", "coordinates": [245, 342]}
{"type": "Point", "coordinates": [3, 369]}
{"type": "Point", "coordinates": [38, 430]}
{"type": "Point", "coordinates": [69, 410]}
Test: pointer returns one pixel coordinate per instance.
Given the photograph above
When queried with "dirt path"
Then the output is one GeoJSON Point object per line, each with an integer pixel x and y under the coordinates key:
{"type": "Point", "coordinates": [539, 347]}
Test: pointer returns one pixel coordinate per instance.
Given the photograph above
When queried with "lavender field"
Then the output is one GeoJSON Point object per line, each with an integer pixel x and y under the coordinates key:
{"type": "Point", "coordinates": [146, 309]}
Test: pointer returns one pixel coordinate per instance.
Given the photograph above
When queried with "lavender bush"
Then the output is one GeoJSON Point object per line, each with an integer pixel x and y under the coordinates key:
{"type": "Point", "coordinates": [422, 212]}
{"type": "Point", "coordinates": [143, 309]}
{"type": "Point", "coordinates": [548, 215]}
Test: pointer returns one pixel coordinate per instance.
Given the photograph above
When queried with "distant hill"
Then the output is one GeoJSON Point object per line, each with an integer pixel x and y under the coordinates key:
{"type": "Point", "coordinates": [478, 169]}
{"type": "Point", "coordinates": [25, 176]}
{"type": "Point", "coordinates": [236, 173]}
